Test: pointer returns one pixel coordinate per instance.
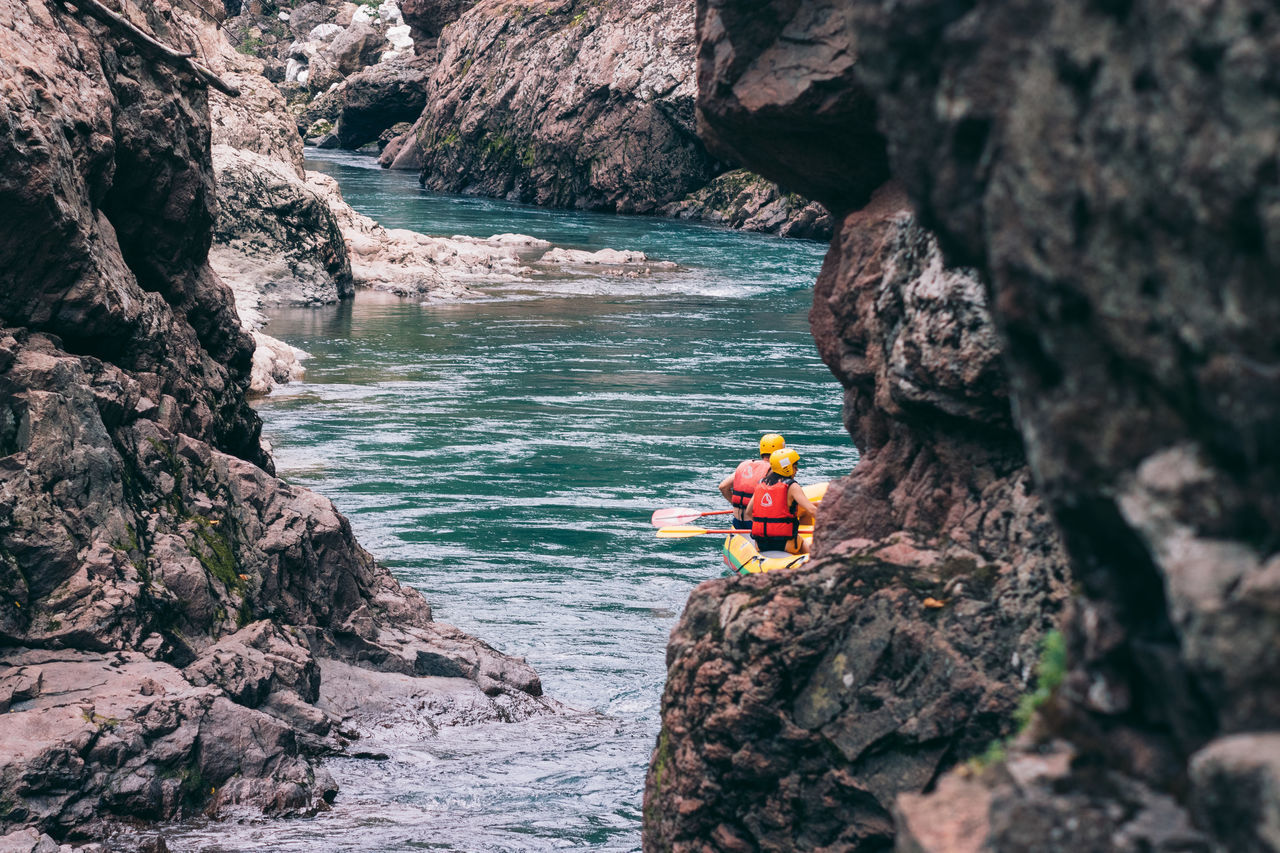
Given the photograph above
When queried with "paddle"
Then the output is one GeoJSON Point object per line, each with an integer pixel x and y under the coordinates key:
{"type": "Point", "coordinates": [686, 532]}
{"type": "Point", "coordinates": [684, 515]}
{"type": "Point", "coordinates": [681, 515]}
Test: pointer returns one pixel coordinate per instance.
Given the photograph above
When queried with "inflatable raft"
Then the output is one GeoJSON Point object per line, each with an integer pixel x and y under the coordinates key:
{"type": "Point", "coordinates": [743, 557]}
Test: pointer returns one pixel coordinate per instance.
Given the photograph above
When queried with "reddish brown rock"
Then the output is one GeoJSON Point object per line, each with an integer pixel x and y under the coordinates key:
{"type": "Point", "coordinates": [165, 598]}
{"type": "Point", "coordinates": [800, 704]}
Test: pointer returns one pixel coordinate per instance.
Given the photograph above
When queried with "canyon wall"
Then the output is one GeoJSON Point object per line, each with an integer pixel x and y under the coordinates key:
{"type": "Point", "coordinates": [167, 602]}
{"type": "Point", "coordinates": [1109, 171]}
{"type": "Point", "coordinates": [799, 705]}
{"type": "Point", "coordinates": [565, 104]}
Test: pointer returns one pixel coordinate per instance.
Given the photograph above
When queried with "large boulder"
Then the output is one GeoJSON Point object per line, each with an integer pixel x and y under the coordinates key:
{"type": "Point", "coordinates": [274, 235]}
{"type": "Point", "coordinates": [379, 97]}
{"type": "Point", "coordinates": [556, 104]}
{"type": "Point", "coordinates": [740, 199]}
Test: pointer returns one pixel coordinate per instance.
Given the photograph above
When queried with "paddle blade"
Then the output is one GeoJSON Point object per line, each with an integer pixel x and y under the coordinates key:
{"type": "Point", "coordinates": [682, 515]}
{"type": "Point", "coordinates": [674, 516]}
{"type": "Point", "coordinates": [682, 533]}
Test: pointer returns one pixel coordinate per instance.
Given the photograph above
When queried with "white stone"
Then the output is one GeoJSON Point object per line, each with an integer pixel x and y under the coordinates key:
{"type": "Point", "coordinates": [399, 38]}
{"type": "Point", "coordinates": [389, 13]}
{"type": "Point", "coordinates": [324, 32]}
{"type": "Point", "coordinates": [362, 16]}
{"type": "Point", "coordinates": [284, 16]}
{"type": "Point", "coordinates": [295, 71]}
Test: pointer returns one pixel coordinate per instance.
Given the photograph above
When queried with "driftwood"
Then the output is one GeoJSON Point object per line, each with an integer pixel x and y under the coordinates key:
{"type": "Point", "coordinates": [183, 61]}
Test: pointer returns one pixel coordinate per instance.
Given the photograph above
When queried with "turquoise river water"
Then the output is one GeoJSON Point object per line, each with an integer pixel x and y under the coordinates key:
{"type": "Point", "coordinates": [503, 455]}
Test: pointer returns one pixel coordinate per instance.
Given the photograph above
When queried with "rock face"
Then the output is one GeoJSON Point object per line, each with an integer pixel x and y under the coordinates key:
{"type": "Point", "coordinates": [379, 97]}
{"type": "Point", "coordinates": [167, 601]}
{"type": "Point", "coordinates": [1109, 169]}
{"type": "Point", "coordinates": [740, 199]}
{"type": "Point", "coordinates": [563, 104]}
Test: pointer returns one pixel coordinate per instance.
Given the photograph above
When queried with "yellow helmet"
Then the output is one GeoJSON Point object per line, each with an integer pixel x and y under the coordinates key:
{"type": "Point", "coordinates": [770, 443]}
{"type": "Point", "coordinates": [784, 461]}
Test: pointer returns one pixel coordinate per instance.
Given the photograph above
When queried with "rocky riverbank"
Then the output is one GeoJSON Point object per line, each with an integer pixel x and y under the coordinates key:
{"type": "Point", "coordinates": [1107, 172]}
{"type": "Point", "coordinates": [170, 607]}
{"type": "Point", "coordinates": [416, 82]}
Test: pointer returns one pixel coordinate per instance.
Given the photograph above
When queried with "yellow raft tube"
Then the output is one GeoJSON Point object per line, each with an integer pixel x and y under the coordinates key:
{"type": "Point", "coordinates": [743, 557]}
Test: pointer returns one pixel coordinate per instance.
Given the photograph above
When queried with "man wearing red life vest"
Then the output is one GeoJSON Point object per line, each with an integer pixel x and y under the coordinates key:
{"type": "Point", "coordinates": [780, 505]}
{"type": "Point", "coordinates": [739, 486]}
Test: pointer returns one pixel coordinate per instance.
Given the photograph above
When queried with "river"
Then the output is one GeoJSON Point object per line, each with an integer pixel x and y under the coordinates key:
{"type": "Point", "coordinates": [503, 455]}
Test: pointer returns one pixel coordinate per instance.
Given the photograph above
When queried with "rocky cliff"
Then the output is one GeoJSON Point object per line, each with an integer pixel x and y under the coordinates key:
{"type": "Point", "coordinates": [166, 600]}
{"type": "Point", "coordinates": [1109, 171]}
{"type": "Point", "coordinates": [1111, 167]}
{"type": "Point", "coordinates": [799, 705]}
{"type": "Point", "coordinates": [563, 103]}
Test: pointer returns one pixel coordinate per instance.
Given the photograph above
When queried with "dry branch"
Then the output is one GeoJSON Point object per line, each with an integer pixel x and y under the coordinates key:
{"type": "Point", "coordinates": [144, 40]}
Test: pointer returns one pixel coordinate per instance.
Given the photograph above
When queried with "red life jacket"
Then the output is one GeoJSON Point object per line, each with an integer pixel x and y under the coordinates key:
{"type": "Point", "coordinates": [745, 478]}
{"type": "Point", "coordinates": [773, 516]}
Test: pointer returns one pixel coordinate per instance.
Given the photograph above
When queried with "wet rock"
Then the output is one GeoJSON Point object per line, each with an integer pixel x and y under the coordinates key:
{"type": "Point", "coordinates": [95, 745]}
{"type": "Point", "coordinates": [274, 234]}
{"type": "Point", "coordinates": [740, 199]}
{"type": "Point", "coordinates": [408, 263]}
{"type": "Point", "coordinates": [530, 105]}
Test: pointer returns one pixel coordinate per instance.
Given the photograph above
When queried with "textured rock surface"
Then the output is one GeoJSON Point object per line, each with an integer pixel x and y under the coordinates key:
{"type": "Point", "coordinates": [564, 104]}
{"type": "Point", "coordinates": [379, 97]}
{"type": "Point", "coordinates": [1110, 170]}
{"type": "Point", "coordinates": [166, 599]}
{"type": "Point", "coordinates": [1118, 188]}
{"type": "Point", "coordinates": [798, 705]}
{"type": "Point", "coordinates": [777, 94]}
{"type": "Point", "coordinates": [274, 234]}
{"type": "Point", "coordinates": [740, 199]}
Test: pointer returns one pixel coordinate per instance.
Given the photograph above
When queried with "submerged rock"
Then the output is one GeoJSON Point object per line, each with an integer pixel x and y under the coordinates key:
{"type": "Point", "coordinates": [740, 199]}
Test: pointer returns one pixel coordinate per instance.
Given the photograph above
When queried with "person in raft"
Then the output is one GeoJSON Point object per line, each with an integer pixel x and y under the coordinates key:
{"type": "Point", "coordinates": [780, 505]}
{"type": "Point", "coordinates": [739, 486]}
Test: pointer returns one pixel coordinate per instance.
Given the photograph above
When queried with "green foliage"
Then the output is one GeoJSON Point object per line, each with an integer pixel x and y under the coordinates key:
{"type": "Point", "coordinates": [319, 127]}
{"type": "Point", "coordinates": [215, 553]}
{"type": "Point", "coordinates": [1051, 670]}
{"type": "Point", "coordinates": [250, 46]}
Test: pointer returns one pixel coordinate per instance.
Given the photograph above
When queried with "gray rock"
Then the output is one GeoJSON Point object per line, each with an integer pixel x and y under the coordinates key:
{"type": "Point", "coordinates": [276, 233]}
{"type": "Point", "coordinates": [354, 48]}
{"type": "Point", "coordinates": [740, 199]}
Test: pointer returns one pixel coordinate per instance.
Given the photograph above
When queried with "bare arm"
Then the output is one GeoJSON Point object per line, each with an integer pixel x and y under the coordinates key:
{"type": "Point", "coordinates": [751, 509]}
{"type": "Point", "coordinates": [804, 507]}
{"type": "Point", "coordinates": [726, 487]}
